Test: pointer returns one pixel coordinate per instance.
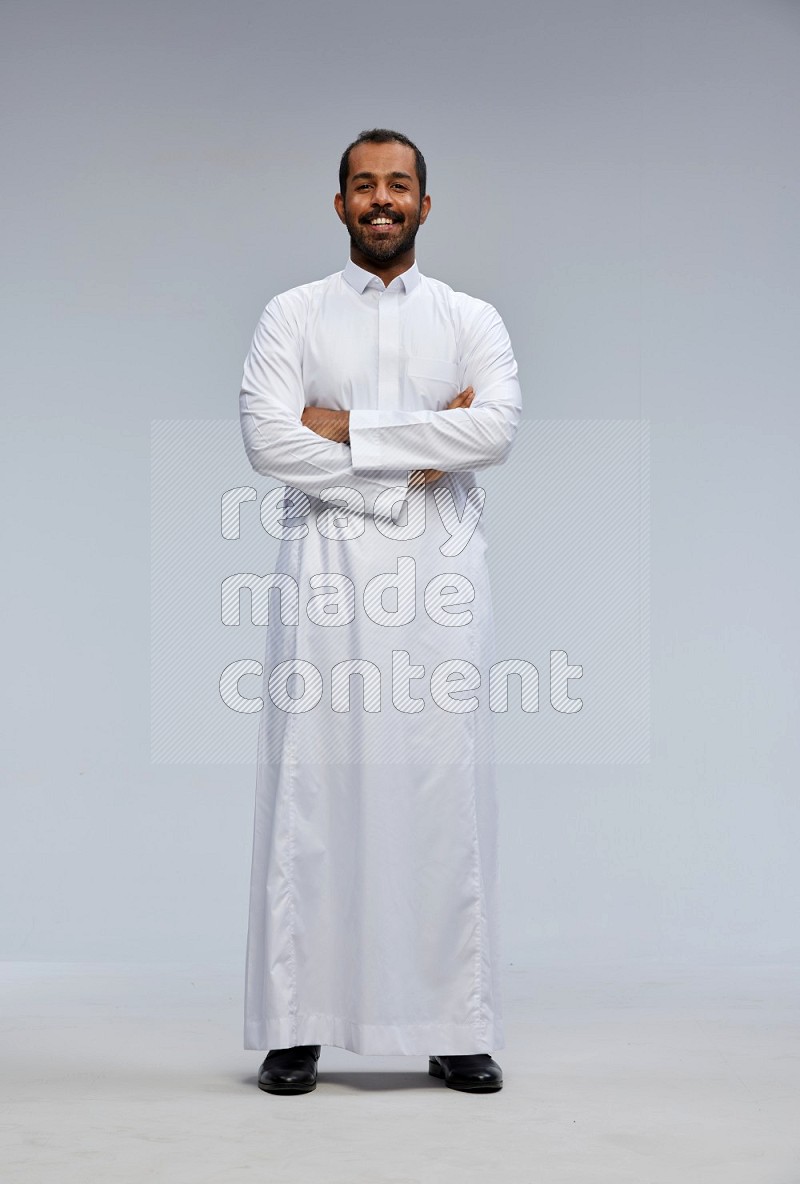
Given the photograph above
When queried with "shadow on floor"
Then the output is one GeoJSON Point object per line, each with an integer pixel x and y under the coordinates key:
{"type": "Point", "coordinates": [361, 1081]}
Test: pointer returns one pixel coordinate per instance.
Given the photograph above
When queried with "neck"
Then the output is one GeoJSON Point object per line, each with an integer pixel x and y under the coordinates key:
{"type": "Point", "coordinates": [386, 271]}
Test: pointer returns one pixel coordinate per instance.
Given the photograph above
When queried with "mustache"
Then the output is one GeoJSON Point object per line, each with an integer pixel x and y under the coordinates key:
{"type": "Point", "coordinates": [381, 214]}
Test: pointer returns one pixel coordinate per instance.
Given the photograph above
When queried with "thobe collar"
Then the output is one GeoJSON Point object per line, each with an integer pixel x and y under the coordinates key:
{"type": "Point", "coordinates": [360, 279]}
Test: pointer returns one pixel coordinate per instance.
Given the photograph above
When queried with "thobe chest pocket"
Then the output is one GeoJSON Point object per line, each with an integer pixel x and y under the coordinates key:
{"type": "Point", "coordinates": [434, 380]}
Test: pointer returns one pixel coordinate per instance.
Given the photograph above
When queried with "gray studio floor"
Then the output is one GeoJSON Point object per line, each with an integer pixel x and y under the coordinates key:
{"type": "Point", "coordinates": [647, 1074]}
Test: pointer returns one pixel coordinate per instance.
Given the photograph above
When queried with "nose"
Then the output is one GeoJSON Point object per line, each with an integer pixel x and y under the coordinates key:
{"type": "Point", "coordinates": [382, 195]}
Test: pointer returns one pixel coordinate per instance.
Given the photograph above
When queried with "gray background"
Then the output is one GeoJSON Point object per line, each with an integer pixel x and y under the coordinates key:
{"type": "Point", "coordinates": [621, 181]}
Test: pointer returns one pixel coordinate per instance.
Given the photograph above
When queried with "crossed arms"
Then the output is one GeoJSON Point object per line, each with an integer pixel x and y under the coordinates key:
{"type": "Point", "coordinates": [335, 425]}
{"type": "Point", "coordinates": [317, 450]}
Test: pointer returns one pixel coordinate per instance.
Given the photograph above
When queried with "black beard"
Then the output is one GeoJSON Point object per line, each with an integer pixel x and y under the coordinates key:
{"type": "Point", "coordinates": [383, 250]}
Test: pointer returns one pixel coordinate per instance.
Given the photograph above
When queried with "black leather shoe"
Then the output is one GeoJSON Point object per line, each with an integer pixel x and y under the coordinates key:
{"type": "Point", "coordinates": [476, 1072]}
{"type": "Point", "coordinates": [290, 1070]}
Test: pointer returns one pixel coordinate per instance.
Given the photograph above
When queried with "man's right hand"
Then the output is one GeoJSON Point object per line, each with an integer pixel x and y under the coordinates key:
{"type": "Point", "coordinates": [463, 399]}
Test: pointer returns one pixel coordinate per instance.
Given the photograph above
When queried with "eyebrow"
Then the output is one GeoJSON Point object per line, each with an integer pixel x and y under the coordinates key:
{"type": "Point", "coordinates": [369, 176]}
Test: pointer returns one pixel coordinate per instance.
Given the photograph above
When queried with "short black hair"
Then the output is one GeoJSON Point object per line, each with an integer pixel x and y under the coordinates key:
{"type": "Point", "coordinates": [383, 135]}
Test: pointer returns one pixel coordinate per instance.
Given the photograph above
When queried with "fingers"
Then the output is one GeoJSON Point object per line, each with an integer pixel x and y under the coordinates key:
{"type": "Point", "coordinates": [424, 477]}
{"type": "Point", "coordinates": [463, 399]}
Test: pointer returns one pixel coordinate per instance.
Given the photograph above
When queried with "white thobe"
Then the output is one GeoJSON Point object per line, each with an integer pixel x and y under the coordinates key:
{"type": "Point", "coordinates": [374, 919]}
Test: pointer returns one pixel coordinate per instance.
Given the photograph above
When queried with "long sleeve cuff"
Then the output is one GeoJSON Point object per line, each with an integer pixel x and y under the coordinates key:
{"type": "Point", "coordinates": [453, 441]}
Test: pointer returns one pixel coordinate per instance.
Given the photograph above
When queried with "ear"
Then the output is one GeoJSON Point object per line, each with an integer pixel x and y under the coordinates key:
{"type": "Point", "coordinates": [424, 208]}
{"type": "Point", "coordinates": [338, 205]}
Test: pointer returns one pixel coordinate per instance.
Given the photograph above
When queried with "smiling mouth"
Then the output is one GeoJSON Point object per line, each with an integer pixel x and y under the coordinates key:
{"type": "Point", "coordinates": [382, 224]}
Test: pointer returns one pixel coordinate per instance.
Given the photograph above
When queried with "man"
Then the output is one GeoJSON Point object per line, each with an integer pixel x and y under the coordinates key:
{"type": "Point", "coordinates": [373, 396]}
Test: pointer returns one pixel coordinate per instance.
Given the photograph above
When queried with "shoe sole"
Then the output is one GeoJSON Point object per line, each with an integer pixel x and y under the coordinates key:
{"type": "Point", "coordinates": [436, 1070]}
{"type": "Point", "coordinates": [287, 1089]}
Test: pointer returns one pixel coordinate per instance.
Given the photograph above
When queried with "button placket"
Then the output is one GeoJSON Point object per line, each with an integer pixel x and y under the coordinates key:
{"type": "Point", "coordinates": [388, 350]}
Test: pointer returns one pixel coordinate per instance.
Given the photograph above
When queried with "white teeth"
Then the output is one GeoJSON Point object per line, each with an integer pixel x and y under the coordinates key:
{"type": "Point", "coordinates": [381, 222]}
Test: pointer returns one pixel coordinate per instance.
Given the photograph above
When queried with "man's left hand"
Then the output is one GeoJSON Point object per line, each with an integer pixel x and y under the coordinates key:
{"type": "Point", "coordinates": [333, 425]}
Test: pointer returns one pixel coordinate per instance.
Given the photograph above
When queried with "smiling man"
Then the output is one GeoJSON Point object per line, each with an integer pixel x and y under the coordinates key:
{"type": "Point", "coordinates": [373, 920]}
{"type": "Point", "coordinates": [382, 231]}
